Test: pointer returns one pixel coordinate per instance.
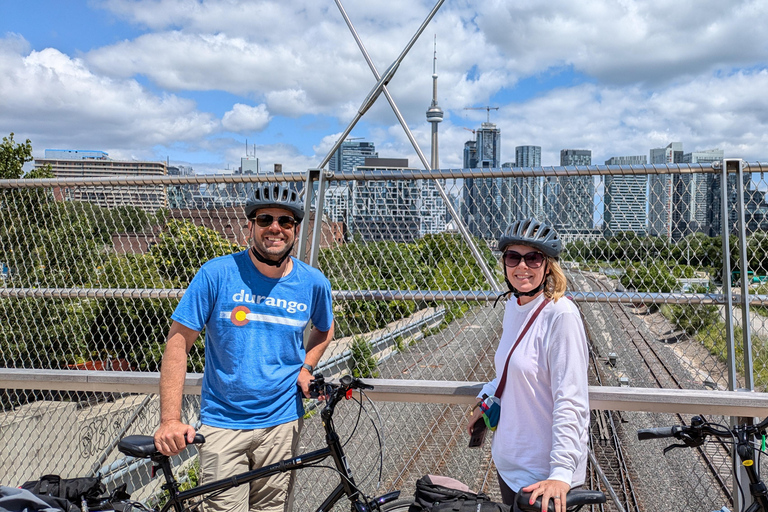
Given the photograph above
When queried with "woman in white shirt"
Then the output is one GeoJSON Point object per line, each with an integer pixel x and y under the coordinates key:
{"type": "Point", "coordinates": [541, 441]}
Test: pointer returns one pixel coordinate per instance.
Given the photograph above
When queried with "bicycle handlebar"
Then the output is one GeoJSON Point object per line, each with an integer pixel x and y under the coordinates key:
{"type": "Point", "coordinates": [658, 433]}
{"type": "Point", "coordinates": [696, 433]}
{"type": "Point", "coordinates": [335, 392]}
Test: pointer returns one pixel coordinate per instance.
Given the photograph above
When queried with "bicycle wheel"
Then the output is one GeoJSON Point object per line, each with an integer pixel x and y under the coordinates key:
{"type": "Point", "coordinates": [397, 506]}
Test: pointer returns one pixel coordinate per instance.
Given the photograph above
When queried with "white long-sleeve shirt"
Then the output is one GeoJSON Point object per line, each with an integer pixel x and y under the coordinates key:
{"type": "Point", "coordinates": [544, 425]}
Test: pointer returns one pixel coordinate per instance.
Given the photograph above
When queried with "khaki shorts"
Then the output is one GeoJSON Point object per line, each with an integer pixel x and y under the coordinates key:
{"type": "Point", "coordinates": [230, 452]}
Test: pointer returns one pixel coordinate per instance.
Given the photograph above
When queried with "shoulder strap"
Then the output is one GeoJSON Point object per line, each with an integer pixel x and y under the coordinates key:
{"type": "Point", "coordinates": [503, 381]}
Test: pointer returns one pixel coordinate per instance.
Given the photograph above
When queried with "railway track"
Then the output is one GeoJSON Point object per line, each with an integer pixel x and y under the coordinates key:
{"type": "Point", "coordinates": [444, 434]}
{"type": "Point", "coordinates": [714, 455]}
{"type": "Point", "coordinates": [605, 444]}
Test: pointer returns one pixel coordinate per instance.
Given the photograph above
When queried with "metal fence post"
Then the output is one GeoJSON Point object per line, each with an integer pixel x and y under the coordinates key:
{"type": "Point", "coordinates": [312, 175]}
{"type": "Point", "coordinates": [749, 382]}
{"type": "Point", "coordinates": [317, 229]}
{"type": "Point", "coordinates": [727, 294]}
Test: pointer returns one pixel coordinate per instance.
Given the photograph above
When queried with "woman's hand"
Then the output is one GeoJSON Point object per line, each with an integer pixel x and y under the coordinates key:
{"type": "Point", "coordinates": [474, 416]}
{"type": "Point", "coordinates": [554, 489]}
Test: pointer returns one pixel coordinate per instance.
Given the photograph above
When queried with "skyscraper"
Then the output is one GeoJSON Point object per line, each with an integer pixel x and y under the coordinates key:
{"type": "Point", "coordinates": [385, 209]}
{"type": "Point", "coordinates": [350, 155]}
{"type": "Point", "coordinates": [527, 193]}
{"type": "Point", "coordinates": [625, 198]}
{"type": "Point", "coordinates": [692, 192]}
{"type": "Point", "coordinates": [569, 201]}
{"type": "Point", "coordinates": [661, 187]}
{"type": "Point", "coordinates": [484, 205]}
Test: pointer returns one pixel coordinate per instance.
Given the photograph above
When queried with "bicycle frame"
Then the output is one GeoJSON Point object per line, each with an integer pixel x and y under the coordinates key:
{"type": "Point", "coordinates": [334, 450]}
{"type": "Point", "coordinates": [757, 487]}
{"type": "Point", "coordinates": [742, 436]}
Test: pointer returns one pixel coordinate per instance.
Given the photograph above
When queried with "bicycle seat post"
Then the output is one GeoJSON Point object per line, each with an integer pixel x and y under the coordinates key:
{"type": "Point", "coordinates": [171, 486]}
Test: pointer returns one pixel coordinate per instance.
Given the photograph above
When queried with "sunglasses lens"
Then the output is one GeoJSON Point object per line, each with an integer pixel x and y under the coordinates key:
{"type": "Point", "coordinates": [534, 259]}
{"type": "Point", "coordinates": [265, 220]}
{"type": "Point", "coordinates": [512, 258]}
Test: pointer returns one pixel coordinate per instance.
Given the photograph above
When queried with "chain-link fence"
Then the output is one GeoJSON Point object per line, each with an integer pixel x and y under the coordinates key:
{"type": "Point", "coordinates": [90, 279]}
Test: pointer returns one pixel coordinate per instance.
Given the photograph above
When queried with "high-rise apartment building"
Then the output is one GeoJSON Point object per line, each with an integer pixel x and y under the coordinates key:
{"type": "Point", "coordinates": [569, 201]}
{"type": "Point", "coordinates": [485, 209]}
{"type": "Point", "coordinates": [385, 209]}
{"type": "Point", "coordinates": [625, 199]}
{"type": "Point", "coordinates": [351, 154]}
{"type": "Point", "coordinates": [692, 191]}
{"type": "Point", "coordinates": [661, 198]}
{"type": "Point", "coordinates": [73, 163]}
{"type": "Point", "coordinates": [527, 194]}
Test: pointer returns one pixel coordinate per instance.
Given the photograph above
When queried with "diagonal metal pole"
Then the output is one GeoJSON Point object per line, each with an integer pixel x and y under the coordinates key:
{"type": "Point", "coordinates": [367, 103]}
{"type": "Point", "coordinates": [381, 80]}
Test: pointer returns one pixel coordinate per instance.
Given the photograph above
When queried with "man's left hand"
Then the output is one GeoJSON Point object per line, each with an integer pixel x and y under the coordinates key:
{"type": "Point", "coordinates": [303, 381]}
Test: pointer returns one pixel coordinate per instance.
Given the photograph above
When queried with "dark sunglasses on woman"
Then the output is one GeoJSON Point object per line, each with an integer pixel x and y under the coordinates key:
{"type": "Point", "coordinates": [532, 259]}
{"type": "Point", "coordinates": [264, 220]}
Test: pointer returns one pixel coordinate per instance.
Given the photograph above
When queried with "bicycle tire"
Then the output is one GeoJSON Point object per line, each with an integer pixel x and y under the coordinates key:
{"type": "Point", "coordinates": [397, 506]}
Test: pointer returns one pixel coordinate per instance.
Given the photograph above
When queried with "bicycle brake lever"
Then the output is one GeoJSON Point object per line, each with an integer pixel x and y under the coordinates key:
{"type": "Point", "coordinates": [672, 447]}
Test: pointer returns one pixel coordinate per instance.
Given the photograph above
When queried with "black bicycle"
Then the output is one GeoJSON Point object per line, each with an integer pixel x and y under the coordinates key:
{"type": "Point", "coordinates": [744, 437]}
{"type": "Point", "coordinates": [190, 500]}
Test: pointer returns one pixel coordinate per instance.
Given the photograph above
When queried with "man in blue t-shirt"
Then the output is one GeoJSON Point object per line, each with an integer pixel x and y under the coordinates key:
{"type": "Point", "coordinates": [254, 306]}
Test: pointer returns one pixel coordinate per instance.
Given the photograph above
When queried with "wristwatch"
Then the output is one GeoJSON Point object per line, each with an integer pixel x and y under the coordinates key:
{"type": "Point", "coordinates": [309, 367]}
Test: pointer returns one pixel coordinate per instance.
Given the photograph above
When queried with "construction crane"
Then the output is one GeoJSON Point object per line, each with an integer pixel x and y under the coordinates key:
{"type": "Point", "coordinates": [470, 130]}
{"type": "Point", "coordinates": [486, 108]}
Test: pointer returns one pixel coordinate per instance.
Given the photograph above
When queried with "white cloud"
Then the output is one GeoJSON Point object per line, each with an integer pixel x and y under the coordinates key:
{"type": "Point", "coordinates": [651, 73]}
{"type": "Point", "coordinates": [244, 119]}
{"type": "Point", "coordinates": [59, 102]}
{"type": "Point", "coordinates": [632, 40]}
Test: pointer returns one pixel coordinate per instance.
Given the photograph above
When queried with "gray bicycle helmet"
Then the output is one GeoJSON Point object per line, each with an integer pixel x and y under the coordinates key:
{"type": "Point", "coordinates": [278, 195]}
{"type": "Point", "coordinates": [533, 233]}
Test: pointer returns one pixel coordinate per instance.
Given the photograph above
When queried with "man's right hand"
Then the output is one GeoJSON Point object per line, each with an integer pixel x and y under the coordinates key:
{"type": "Point", "coordinates": [173, 436]}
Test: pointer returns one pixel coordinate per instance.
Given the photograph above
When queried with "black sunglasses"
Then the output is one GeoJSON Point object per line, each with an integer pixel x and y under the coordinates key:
{"type": "Point", "coordinates": [532, 259]}
{"type": "Point", "coordinates": [264, 220]}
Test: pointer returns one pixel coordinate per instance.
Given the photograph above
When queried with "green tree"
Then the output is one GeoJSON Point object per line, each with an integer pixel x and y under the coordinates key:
{"type": "Point", "coordinates": [13, 157]}
{"type": "Point", "coordinates": [649, 279]}
{"type": "Point", "coordinates": [183, 247]}
{"type": "Point", "coordinates": [692, 318]}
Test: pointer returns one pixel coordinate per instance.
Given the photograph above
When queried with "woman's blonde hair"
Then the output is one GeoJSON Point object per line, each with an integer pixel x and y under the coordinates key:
{"type": "Point", "coordinates": [555, 285]}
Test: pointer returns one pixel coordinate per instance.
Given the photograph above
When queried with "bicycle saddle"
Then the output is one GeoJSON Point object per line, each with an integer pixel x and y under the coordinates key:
{"type": "Point", "coordinates": [143, 447]}
{"type": "Point", "coordinates": [576, 497]}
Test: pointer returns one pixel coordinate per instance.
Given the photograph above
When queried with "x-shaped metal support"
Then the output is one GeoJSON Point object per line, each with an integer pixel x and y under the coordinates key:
{"type": "Point", "coordinates": [381, 87]}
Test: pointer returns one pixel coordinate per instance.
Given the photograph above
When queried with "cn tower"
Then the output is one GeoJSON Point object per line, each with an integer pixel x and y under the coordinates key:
{"type": "Point", "coordinates": [435, 113]}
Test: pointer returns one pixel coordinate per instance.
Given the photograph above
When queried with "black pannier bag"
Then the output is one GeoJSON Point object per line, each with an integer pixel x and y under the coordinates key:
{"type": "Point", "coordinates": [70, 493]}
{"type": "Point", "coordinates": [443, 494]}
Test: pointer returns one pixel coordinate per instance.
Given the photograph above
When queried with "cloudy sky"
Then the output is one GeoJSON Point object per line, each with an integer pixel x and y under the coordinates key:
{"type": "Point", "coordinates": [192, 81]}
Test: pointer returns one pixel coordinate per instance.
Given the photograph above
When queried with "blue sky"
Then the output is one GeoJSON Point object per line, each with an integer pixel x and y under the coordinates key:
{"type": "Point", "coordinates": [193, 81]}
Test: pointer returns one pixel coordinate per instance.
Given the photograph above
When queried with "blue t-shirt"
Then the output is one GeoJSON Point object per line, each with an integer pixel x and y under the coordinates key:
{"type": "Point", "coordinates": [254, 343]}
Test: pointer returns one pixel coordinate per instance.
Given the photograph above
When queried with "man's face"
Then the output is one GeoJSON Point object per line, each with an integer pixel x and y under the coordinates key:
{"type": "Point", "coordinates": [272, 241]}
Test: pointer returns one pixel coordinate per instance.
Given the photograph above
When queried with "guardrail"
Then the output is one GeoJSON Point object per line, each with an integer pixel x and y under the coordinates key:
{"type": "Point", "coordinates": [686, 401]}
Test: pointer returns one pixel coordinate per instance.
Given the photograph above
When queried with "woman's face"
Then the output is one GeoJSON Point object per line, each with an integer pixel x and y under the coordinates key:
{"type": "Point", "coordinates": [522, 276]}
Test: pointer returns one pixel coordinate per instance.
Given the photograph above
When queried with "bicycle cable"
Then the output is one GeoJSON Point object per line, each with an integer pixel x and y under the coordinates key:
{"type": "Point", "coordinates": [379, 436]}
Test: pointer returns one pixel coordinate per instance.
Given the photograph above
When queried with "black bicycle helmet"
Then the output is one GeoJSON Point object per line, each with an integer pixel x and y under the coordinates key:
{"type": "Point", "coordinates": [278, 195]}
{"type": "Point", "coordinates": [533, 233]}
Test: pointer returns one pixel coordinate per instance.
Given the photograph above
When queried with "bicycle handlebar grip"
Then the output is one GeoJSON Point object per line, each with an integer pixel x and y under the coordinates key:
{"type": "Point", "coordinates": [657, 433]}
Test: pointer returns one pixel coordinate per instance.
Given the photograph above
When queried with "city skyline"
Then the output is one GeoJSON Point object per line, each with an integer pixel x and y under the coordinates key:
{"type": "Point", "coordinates": [156, 80]}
